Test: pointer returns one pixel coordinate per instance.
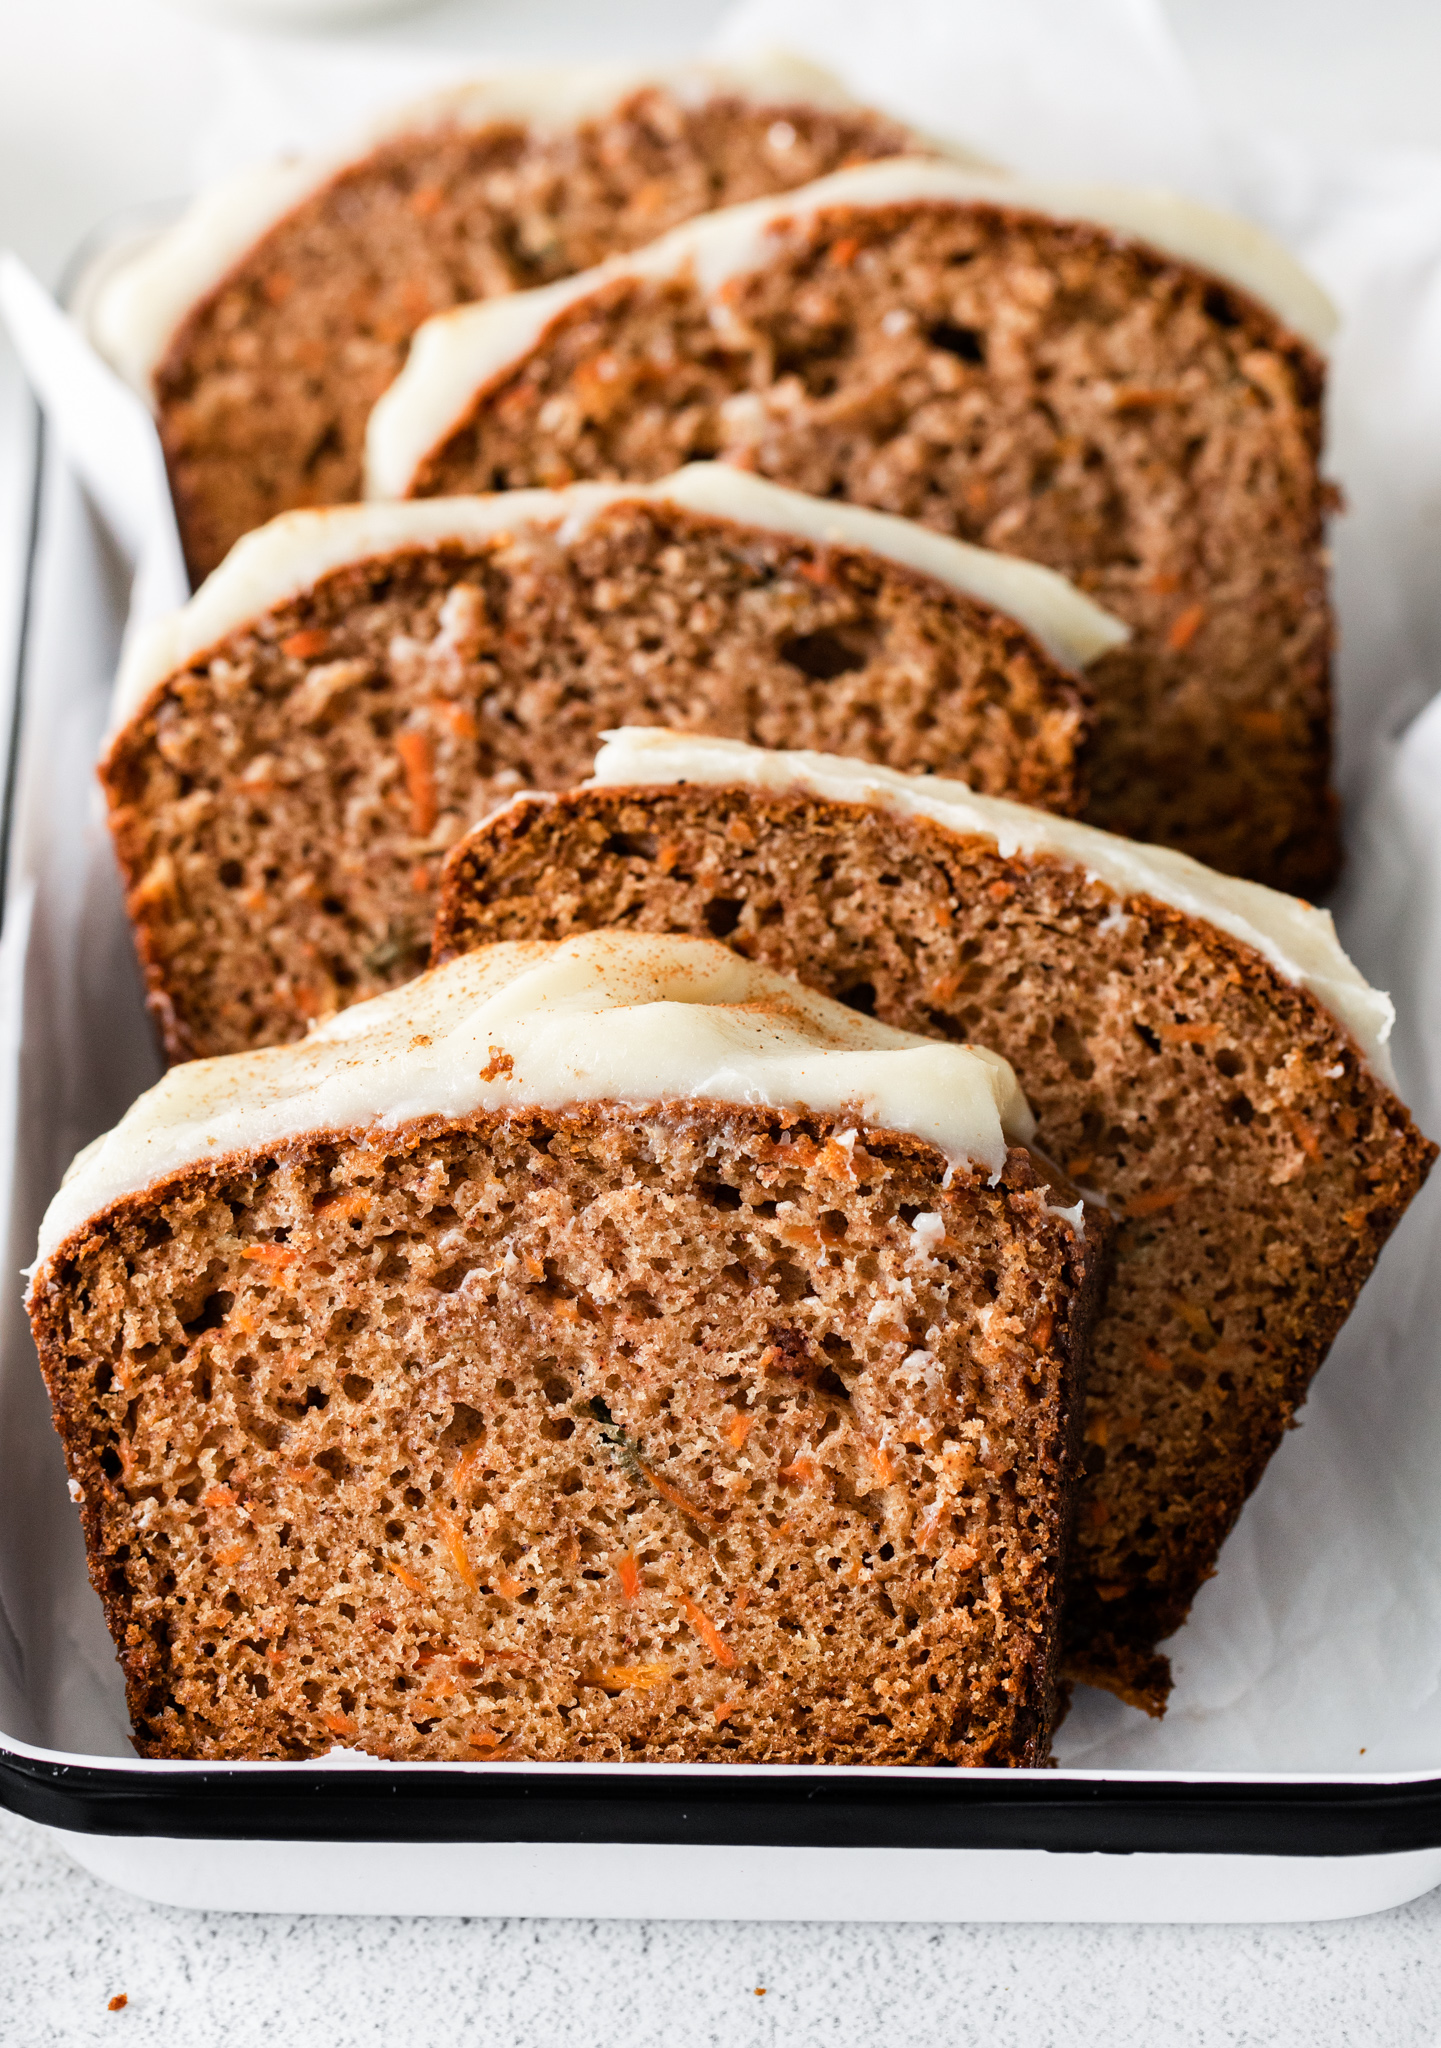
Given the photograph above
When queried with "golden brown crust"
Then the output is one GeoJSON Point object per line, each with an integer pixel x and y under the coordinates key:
{"type": "Point", "coordinates": [281, 806]}
{"type": "Point", "coordinates": [1041, 387]}
{"type": "Point", "coordinates": [1255, 1164]}
{"type": "Point", "coordinates": [576, 1436]}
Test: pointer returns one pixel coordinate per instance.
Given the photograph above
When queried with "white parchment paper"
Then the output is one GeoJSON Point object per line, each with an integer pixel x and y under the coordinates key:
{"type": "Point", "coordinates": [1317, 1646]}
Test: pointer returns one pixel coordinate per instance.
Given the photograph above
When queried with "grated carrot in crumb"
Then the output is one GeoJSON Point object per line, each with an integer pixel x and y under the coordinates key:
{"type": "Point", "coordinates": [277, 287]}
{"type": "Point", "coordinates": [1098, 1431]}
{"type": "Point", "coordinates": [232, 1554]}
{"type": "Point", "coordinates": [944, 914]}
{"type": "Point", "coordinates": [1262, 725]}
{"type": "Point", "coordinates": [1305, 1136]}
{"type": "Point", "coordinates": [344, 1203]}
{"type": "Point", "coordinates": [339, 1724]}
{"type": "Point", "coordinates": [677, 1499]}
{"type": "Point", "coordinates": [706, 1629]}
{"type": "Point", "coordinates": [1076, 1168]}
{"type": "Point", "coordinates": [1188, 1034]}
{"type": "Point", "coordinates": [270, 1254]}
{"type": "Point", "coordinates": [426, 200]}
{"type": "Point", "coordinates": [506, 1586]}
{"type": "Point", "coordinates": [837, 1160]}
{"type": "Point", "coordinates": [628, 1572]}
{"type": "Point", "coordinates": [880, 1457]}
{"type": "Point", "coordinates": [726, 1709]}
{"type": "Point", "coordinates": [1356, 1219]}
{"type": "Point", "coordinates": [417, 759]}
{"type": "Point", "coordinates": [220, 1497]}
{"type": "Point", "coordinates": [667, 856]}
{"type": "Point", "coordinates": [459, 717]}
{"type": "Point", "coordinates": [845, 251]}
{"type": "Point", "coordinates": [1165, 583]}
{"type": "Point", "coordinates": [1154, 1360]}
{"type": "Point", "coordinates": [816, 571]}
{"type": "Point", "coordinates": [486, 1738]}
{"type": "Point", "coordinates": [738, 1429]}
{"type": "Point", "coordinates": [419, 879]}
{"type": "Point", "coordinates": [303, 646]}
{"type": "Point", "coordinates": [804, 1471]}
{"type": "Point", "coordinates": [1184, 628]}
{"type": "Point", "coordinates": [742, 1601]}
{"type": "Point", "coordinates": [1045, 1324]}
{"type": "Point", "coordinates": [454, 1542]}
{"type": "Point", "coordinates": [618, 1677]}
{"type": "Point", "coordinates": [1194, 1317]}
{"type": "Point", "coordinates": [944, 987]}
{"type": "Point", "coordinates": [406, 1578]}
{"type": "Point", "coordinates": [466, 1464]}
{"type": "Point", "coordinates": [1098, 1514]}
{"type": "Point", "coordinates": [1158, 1199]}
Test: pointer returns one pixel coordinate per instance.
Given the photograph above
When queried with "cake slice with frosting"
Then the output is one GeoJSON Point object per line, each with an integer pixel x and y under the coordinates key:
{"type": "Point", "coordinates": [294, 751]}
{"type": "Point", "coordinates": [1123, 385]}
{"type": "Point", "coordinates": [595, 1352]}
{"type": "Point", "coordinates": [267, 321]}
{"type": "Point", "coordinates": [1198, 1050]}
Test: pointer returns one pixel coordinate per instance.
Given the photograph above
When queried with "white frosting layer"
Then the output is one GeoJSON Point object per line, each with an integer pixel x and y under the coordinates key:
{"type": "Point", "coordinates": [453, 357]}
{"type": "Point", "coordinates": [1298, 940]}
{"type": "Point", "coordinates": [278, 561]}
{"type": "Point", "coordinates": [144, 302]}
{"type": "Point", "coordinates": [611, 1017]}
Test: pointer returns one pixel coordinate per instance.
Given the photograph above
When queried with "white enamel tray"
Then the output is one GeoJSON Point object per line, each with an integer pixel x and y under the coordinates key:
{"type": "Point", "coordinates": [1279, 1824]}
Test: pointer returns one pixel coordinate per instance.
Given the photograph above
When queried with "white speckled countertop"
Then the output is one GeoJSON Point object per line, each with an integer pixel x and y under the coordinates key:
{"type": "Point", "coordinates": [217, 1980]}
{"type": "Point", "coordinates": [73, 149]}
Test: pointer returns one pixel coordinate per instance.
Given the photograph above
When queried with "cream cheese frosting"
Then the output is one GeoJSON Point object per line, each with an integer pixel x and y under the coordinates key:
{"type": "Point", "coordinates": [456, 355]}
{"type": "Point", "coordinates": [144, 302]}
{"type": "Point", "coordinates": [293, 551]}
{"type": "Point", "coordinates": [610, 1017]}
{"type": "Point", "coordinates": [1297, 939]}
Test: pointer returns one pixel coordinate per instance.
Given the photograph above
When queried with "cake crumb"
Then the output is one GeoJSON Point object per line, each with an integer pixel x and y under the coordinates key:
{"type": "Point", "coordinates": [118, 2003]}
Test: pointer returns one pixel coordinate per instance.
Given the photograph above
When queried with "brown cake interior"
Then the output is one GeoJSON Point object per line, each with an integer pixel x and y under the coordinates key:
{"type": "Point", "coordinates": [264, 389]}
{"type": "Point", "coordinates": [1254, 1164]}
{"type": "Point", "coordinates": [281, 807]}
{"type": "Point", "coordinates": [619, 1433]}
{"type": "Point", "coordinates": [1041, 387]}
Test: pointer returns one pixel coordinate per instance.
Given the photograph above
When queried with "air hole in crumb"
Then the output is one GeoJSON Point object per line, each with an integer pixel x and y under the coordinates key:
{"type": "Point", "coordinates": [722, 915]}
{"type": "Point", "coordinates": [860, 996]}
{"type": "Point", "coordinates": [966, 342]}
{"type": "Point", "coordinates": [825, 655]}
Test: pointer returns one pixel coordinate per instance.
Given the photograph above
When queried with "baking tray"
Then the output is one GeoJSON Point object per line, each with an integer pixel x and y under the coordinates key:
{"type": "Point", "coordinates": [357, 1835]}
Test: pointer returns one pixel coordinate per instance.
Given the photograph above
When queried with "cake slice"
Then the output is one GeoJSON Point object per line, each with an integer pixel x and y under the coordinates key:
{"type": "Point", "coordinates": [266, 323]}
{"type": "Point", "coordinates": [595, 1352]}
{"type": "Point", "coordinates": [1124, 386]}
{"type": "Point", "coordinates": [295, 750]}
{"type": "Point", "coordinates": [1198, 1051]}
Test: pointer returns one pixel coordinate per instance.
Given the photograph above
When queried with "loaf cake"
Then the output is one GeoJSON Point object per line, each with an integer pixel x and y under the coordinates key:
{"type": "Point", "coordinates": [1123, 386]}
{"type": "Point", "coordinates": [353, 688]}
{"type": "Point", "coordinates": [596, 1352]}
{"type": "Point", "coordinates": [1199, 1052]}
{"type": "Point", "coordinates": [266, 323]}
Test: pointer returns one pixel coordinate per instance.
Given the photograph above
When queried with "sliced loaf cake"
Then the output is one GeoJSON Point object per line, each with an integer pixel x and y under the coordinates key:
{"type": "Point", "coordinates": [266, 323]}
{"type": "Point", "coordinates": [599, 1352]}
{"type": "Point", "coordinates": [296, 749]}
{"type": "Point", "coordinates": [1199, 1052]}
{"type": "Point", "coordinates": [1121, 385]}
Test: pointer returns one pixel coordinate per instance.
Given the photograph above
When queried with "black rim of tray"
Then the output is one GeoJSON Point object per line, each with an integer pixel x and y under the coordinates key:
{"type": "Point", "coordinates": [740, 1806]}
